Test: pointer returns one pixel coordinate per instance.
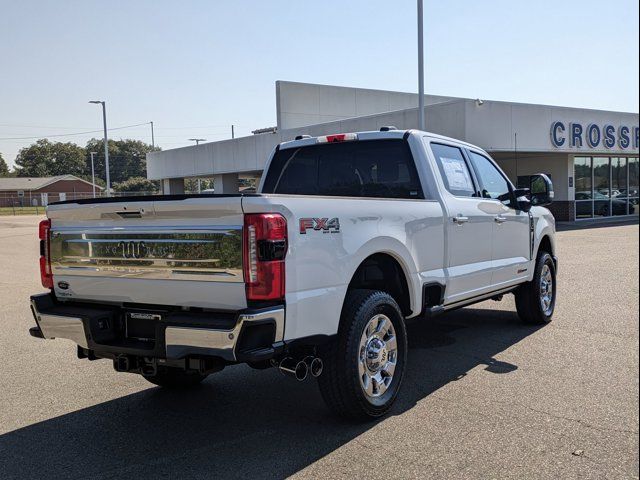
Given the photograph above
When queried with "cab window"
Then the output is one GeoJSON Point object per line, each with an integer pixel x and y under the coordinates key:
{"type": "Point", "coordinates": [453, 170]}
{"type": "Point", "coordinates": [492, 183]}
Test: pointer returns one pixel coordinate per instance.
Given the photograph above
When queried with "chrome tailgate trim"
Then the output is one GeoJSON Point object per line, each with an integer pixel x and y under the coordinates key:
{"type": "Point", "coordinates": [197, 253]}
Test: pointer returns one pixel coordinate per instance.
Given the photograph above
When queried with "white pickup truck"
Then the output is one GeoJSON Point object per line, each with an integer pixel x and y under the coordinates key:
{"type": "Point", "coordinates": [349, 236]}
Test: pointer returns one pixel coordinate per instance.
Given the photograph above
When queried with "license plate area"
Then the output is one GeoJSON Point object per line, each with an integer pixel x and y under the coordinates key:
{"type": "Point", "coordinates": [141, 325]}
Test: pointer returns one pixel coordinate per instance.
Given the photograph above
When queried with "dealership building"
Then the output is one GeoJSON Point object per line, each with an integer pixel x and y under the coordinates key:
{"type": "Point", "coordinates": [591, 155]}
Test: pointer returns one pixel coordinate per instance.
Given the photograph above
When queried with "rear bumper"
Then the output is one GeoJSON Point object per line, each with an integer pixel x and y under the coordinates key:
{"type": "Point", "coordinates": [102, 329]}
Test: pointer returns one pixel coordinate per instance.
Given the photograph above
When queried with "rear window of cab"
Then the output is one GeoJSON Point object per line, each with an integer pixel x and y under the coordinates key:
{"type": "Point", "coordinates": [366, 168]}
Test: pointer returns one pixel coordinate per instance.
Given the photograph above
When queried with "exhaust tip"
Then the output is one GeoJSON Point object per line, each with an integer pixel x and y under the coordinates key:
{"type": "Point", "coordinates": [301, 371]}
{"type": "Point", "coordinates": [298, 370]}
{"type": "Point", "coordinates": [316, 367]}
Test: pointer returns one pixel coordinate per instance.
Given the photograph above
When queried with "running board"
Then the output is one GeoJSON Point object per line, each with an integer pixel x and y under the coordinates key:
{"type": "Point", "coordinates": [477, 299]}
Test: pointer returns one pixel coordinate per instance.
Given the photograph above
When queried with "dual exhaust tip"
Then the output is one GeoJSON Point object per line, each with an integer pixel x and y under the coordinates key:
{"type": "Point", "coordinates": [300, 369]}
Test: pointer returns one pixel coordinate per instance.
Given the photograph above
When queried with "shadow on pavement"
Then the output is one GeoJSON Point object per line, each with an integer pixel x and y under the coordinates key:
{"type": "Point", "coordinates": [243, 423]}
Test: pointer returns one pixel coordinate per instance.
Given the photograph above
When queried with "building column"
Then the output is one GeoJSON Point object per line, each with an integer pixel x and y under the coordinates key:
{"type": "Point", "coordinates": [172, 186]}
{"type": "Point", "coordinates": [225, 183]}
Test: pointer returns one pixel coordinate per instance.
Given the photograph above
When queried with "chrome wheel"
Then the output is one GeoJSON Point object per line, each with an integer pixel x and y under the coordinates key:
{"type": "Point", "coordinates": [378, 356]}
{"type": "Point", "coordinates": [546, 290]}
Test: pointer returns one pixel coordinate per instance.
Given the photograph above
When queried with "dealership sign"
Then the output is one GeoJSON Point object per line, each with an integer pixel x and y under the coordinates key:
{"type": "Point", "coordinates": [575, 135]}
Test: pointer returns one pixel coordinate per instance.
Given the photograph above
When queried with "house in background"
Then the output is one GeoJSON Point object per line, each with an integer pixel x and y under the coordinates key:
{"type": "Point", "coordinates": [40, 191]}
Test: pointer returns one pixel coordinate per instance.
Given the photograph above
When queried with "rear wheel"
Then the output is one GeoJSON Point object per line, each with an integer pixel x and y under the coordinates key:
{"type": "Point", "coordinates": [364, 366]}
{"type": "Point", "coordinates": [175, 378]}
{"type": "Point", "coordinates": [536, 300]}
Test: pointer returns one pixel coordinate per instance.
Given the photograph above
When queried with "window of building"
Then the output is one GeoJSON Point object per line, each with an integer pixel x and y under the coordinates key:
{"type": "Point", "coordinates": [605, 186]}
{"type": "Point", "coordinates": [454, 170]}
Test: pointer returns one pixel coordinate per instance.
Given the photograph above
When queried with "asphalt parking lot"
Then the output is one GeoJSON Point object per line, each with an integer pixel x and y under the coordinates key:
{"type": "Point", "coordinates": [484, 396]}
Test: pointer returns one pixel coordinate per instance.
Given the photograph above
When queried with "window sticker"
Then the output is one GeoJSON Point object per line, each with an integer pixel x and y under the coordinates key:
{"type": "Point", "coordinates": [455, 169]}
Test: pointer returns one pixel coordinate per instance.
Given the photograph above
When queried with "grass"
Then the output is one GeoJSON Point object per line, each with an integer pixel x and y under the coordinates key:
{"type": "Point", "coordinates": [21, 211]}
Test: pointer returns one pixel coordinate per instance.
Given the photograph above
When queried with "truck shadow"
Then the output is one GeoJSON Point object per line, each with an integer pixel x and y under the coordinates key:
{"type": "Point", "coordinates": [243, 423]}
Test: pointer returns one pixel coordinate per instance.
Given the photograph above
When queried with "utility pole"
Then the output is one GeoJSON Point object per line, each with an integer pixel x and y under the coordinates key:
{"type": "Point", "coordinates": [233, 134]}
{"type": "Point", "coordinates": [421, 123]}
{"type": "Point", "coordinates": [153, 141]}
{"type": "Point", "coordinates": [93, 174]}
{"type": "Point", "coordinates": [106, 143]}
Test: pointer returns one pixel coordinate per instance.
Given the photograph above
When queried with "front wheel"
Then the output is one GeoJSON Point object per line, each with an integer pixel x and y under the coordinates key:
{"type": "Point", "coordinates": [536, 300]}
{"type": "Point", "coordinates": [364, 366]}
{"type": "Point", "coordinates": [175, 378]}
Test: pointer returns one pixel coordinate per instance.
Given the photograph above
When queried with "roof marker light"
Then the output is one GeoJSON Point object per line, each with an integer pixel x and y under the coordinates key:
{"type": "Point", "coordinates": [338, 137]}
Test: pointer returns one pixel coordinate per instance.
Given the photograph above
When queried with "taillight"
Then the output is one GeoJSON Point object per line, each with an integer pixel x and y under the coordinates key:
{"type": "Point", "coordinates": [45, 258]}
{"type": "Point", "coordinates": [264, 249]}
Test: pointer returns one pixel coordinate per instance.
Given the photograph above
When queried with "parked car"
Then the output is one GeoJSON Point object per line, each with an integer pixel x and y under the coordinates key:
{"type": "Point", "coordinates": [629, 194]}
{"type": "Point", "coordinates": [602, 205]}
{"type": "Point", "coordinates": [349, 236]}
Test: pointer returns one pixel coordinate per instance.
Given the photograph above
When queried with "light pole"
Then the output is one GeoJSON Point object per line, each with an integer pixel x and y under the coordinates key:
{"type": "Point", "coordinates": [153, 141]}
{"type": "Point", "coordinates": [420, 69]}
{"type": "Point", "coordinates": [93, 174]}
{"type": "Point", "coordinates": [198, 140]}
{"type": "Point", "coordinates": [106, 143]}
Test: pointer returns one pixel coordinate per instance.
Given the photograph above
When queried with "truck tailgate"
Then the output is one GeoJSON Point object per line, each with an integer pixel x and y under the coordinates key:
{"type": "Point", "coordinates": [185, 252]}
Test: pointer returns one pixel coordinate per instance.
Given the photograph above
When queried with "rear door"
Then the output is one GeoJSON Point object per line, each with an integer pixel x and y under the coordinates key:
{"type": "Point", "coordinates": [511, 228]}
{"type": "Point", "coordinates": [469, 225]}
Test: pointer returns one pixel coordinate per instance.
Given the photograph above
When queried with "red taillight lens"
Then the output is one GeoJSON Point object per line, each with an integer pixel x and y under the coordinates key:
{"type": "Point", "coordinates": [264, 250]}
{"type": "Point", "coordinates": [45, 259]}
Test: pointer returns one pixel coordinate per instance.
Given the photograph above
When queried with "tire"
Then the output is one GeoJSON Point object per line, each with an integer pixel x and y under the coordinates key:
{"type": "Point", "coordinates": [353, 385]}
{"type": "Point", "coordinates": [529, 297]}
{"type": "Point", "coordinates": [175, 378]}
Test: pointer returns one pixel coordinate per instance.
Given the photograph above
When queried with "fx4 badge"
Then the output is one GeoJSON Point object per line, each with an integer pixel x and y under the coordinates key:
{"type": "Point", "coordinates": [327, 225]}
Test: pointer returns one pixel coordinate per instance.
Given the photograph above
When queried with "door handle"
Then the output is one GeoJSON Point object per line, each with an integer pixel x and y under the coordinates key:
{"type": "Point", "coordinates": [459, 220]}
{"type": "Point", "coordinates": [500, 219]}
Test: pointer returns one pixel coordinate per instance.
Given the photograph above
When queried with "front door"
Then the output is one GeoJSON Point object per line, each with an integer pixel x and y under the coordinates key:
{"type": "Point", "coordinates": [511, 250]}
{"type": "Point", "coordinates": [469, 228]}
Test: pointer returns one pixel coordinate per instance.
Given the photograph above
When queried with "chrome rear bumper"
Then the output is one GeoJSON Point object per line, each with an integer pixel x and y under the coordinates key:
{"type": "Point", "coordinates": [220, 343]}
{"type": "Point", "coordinates": [60, 326]}
{"type": "Point", "coordinates": [179, 341]}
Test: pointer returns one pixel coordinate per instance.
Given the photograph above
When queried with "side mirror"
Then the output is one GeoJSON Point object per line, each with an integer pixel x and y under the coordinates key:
{"type": "Point", "coordinates": [541, 190]}
{"type": "Point", "coordinates": [523, 201]}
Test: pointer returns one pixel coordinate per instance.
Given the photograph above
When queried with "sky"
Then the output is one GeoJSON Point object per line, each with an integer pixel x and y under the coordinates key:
{"type": "Point", "coordinates": [194, 68]}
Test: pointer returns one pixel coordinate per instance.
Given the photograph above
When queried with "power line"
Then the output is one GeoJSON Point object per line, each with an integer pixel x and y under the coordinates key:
{"type": "Point", "coordinates": [142, 124]}
{"type": "Point", "coordinates": [72, 134]}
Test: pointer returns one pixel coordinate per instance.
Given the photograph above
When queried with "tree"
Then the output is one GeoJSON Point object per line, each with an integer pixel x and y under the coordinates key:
{"type": "Point", "coordinates": [46, 159]}
{"type": "Point", "coordinates": [137, 184]}
{"type": "Point", "coordinates": [127, 158]}
{"type": "Point", "coordinates": [4, 168]}
{"type": "Point", "coordinates": [191, 184]}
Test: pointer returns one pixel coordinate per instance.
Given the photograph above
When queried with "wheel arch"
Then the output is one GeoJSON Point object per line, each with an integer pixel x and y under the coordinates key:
{"type": "Point", "coordinates": [544, 235]}
{"type": "Point", "coordinates": [384, 270]}
{"type": "Point", "coordinates": [546, 245]}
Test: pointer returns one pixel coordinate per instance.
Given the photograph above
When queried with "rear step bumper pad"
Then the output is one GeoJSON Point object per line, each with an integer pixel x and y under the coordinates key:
{"type": "Point", "coordinates": [180, 341]}
{"type": "Point", "coordinates": [58, 326]}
